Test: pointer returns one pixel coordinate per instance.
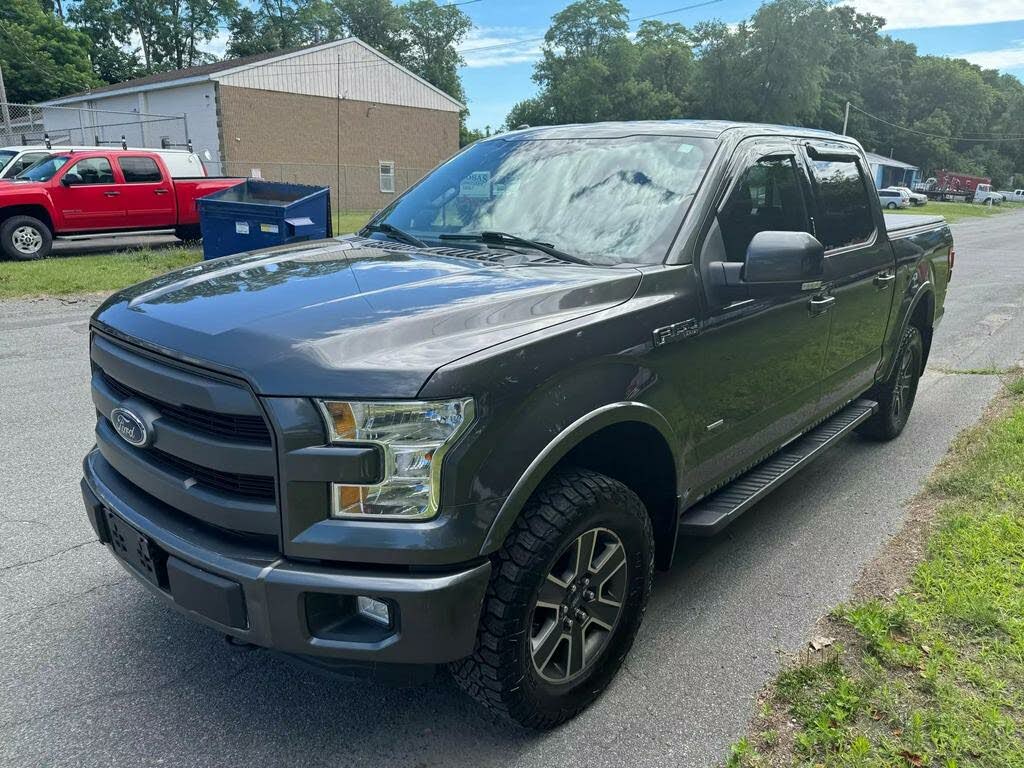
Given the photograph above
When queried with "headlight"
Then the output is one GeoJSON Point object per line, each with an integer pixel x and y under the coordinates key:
{"type": "Point", "coordinates": [414, 437]}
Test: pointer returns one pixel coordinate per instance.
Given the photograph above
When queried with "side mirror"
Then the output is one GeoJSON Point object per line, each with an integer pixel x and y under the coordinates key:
{"type": "Point", "coordinates": [776, 262]}
{"type": "Point", "coordinates": [70, 179]}
{"type": "Point", "coordinates": [783, 257]}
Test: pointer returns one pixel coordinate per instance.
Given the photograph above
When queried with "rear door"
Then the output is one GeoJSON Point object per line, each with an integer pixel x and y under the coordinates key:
{"type": "Point", "coordinates": [87, 195]}
{"type": "Point", "coordinates": [148, 193]}
{"type": "Point", "coordinates": [860, 270]}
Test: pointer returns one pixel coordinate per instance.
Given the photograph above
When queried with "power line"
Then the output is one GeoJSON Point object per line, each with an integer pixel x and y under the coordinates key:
{"type": "Point", "coordinates": [934, 135]}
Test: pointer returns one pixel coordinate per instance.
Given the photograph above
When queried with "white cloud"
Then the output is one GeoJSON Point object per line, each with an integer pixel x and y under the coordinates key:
{"type": "Point", "coordinates": [916, 14]}
{"type": "Point", "coordinates": [518, 45]}
{"type": "Point", "coordinates": [1001, 59]}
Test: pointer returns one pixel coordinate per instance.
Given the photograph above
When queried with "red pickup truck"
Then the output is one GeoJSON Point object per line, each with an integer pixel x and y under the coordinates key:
{"type": "Point", "coordinates": [95, 193]}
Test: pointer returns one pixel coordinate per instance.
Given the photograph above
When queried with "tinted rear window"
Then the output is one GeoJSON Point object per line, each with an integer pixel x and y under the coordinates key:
{"type": "Point", "coordinates": [844, 208]}
{"type": "Point", "coordinates": [139, 169]}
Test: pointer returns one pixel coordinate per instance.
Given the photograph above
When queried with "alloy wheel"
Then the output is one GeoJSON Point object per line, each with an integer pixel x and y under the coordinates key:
{"type": "Point", "coordinates": [578, 606]}
{"type": "Point", "coordinates": [903, 392]}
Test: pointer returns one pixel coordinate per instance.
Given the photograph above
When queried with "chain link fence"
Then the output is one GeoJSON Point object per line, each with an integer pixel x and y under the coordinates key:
{"type": "Point", "coordinates": [26, 124]}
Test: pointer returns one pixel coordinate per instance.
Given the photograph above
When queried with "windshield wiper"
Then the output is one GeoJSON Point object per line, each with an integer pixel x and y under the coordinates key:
{"type": "Point", "coordinates": [504, 238]}
{"type": "Point", "coordinates": [396, 234]}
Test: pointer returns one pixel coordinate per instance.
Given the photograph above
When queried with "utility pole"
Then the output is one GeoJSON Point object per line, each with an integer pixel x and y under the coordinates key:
{"type": "Point", "coordinates": [846, 118]}
{"type": "Point", "coordinates": [5, 111]}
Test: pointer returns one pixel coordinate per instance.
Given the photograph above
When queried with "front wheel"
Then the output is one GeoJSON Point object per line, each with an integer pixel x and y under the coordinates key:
{"type": "Point", "coordinates": [896, 394]}
{"type": "Point", "coordinates": [25, 238]}
{"type": "Point", "coordinates": [566, 598]}
{"type": "Point", "coordinates": [891, 206]}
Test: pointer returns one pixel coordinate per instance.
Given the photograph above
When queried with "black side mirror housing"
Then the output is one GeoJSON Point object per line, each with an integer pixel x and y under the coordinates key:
{"type": "Point", "coordinates": [776, 262]}
{"type": "Point", "coordinates": [70, 179]}
{"type": "Point", "coordinates": [783, 257]}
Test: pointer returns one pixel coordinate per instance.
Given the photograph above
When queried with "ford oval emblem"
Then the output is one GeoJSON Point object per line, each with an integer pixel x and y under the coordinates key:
{"type": "Point", "coordinates": [130, 427]}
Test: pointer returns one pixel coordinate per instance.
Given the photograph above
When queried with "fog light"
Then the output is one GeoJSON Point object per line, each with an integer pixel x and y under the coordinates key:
{"type": "Point", "coordinates": [374, 610]}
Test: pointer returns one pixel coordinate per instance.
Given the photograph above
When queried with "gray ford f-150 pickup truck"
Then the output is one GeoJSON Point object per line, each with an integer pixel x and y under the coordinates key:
{"type": "Point", "coordinates": [469, 434]}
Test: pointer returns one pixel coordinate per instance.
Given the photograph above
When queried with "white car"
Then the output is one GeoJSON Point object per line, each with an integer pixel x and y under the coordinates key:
{"type": "Point", "coordinates": [181, 163]}
{"type": "Point", "coordinates": [893, 198]}
{"type": "Point", "coordinates": [1013, 195]}
{"type": "Point", "coordinates": [916, 198]}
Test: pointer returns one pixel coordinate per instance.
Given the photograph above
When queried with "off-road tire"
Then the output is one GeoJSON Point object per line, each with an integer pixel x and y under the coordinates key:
{"type": "Point", "coordinates": [25, 230]}
{"type": "Point", "coordinates": [501, 674]}
{"type": "Point", "coordinates": [895, 396]}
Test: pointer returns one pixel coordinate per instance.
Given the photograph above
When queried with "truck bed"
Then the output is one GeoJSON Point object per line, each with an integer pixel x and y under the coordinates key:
{"type": "Point", "coordinates": [897, 223]}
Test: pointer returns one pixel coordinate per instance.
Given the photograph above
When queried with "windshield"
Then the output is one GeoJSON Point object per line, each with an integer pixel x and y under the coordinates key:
{"type": "Point", "coordinates": [608, 201]}
{"type": "Point", "coordinates": [44, 169]}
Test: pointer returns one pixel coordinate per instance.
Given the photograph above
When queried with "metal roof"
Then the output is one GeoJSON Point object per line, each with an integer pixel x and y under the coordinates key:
{"type": "Point", "coordinates": [217, 69]}
{"type": "Point", "coordinates": [883, 160]}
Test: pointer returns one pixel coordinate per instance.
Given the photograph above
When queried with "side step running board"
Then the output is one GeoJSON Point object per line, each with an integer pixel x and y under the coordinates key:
{"type": "Point", "coordinates": [710, 515]}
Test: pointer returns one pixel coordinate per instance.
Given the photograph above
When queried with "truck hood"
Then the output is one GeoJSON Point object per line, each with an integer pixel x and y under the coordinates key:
{"type": "Point", "coordinates": [352, 317]}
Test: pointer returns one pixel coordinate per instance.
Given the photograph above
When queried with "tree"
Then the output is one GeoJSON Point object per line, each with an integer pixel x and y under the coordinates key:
{"type": "Point", "coordinates": [42, 58]}
{"type": "Point", "coordinates": [114, 59]}
{"type": "Point", "coordinates": [271, 25]}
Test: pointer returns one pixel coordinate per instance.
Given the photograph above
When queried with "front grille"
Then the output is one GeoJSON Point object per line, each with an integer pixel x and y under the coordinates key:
{"type": "Point", "coordinates": [217, 464]}
{"type": "Point", "coordinates": [222, 425]}
{"type": "Point", "coordinates": [250, 486]}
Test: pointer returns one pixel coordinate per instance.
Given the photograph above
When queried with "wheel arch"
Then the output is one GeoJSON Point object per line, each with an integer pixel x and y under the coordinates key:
{"type": "Point", "coordinates": [629, 442]}
{"type": "Point", "coordinates": [35, 211]}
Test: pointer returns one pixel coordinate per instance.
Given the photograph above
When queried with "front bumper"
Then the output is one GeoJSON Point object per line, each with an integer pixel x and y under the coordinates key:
{"type": "Point", "coordinates": [244, 588]}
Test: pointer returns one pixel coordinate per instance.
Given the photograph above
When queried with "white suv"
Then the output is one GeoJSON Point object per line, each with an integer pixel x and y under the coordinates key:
{"type": "Point", "coordinates": [893, 198]}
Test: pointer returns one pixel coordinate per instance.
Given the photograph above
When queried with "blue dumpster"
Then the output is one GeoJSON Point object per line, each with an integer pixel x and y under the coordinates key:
{"type": "Point", "coordinates": [259, 214]}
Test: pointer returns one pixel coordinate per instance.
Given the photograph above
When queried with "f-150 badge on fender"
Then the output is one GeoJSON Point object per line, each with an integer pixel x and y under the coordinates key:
{"type": "Point", "coordinates": [676, 332]}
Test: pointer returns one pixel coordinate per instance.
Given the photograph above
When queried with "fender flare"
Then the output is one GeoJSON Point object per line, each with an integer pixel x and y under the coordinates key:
{"type": "Point", "coordinates": [556, 450]}
{"type": "Point", "coordinates": [925, 289]}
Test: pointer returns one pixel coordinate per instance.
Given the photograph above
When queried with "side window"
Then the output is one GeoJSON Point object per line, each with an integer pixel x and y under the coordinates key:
{"type": "Point", "coordinates": [844, 209]}
{"type": "Point", "coordinates": [25, 161]}
{"type": "Point", "coordinates": [387, 176]}
{"type": "Point", "coordinates": [92, 170]}
{"type": "Point", "coordinates": [767, 198]}
{"type": "Point", "coordinates": [139, 170]}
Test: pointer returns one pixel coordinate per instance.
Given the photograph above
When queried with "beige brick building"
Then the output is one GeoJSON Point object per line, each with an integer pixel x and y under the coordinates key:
{"type": "Point", "coordinates": [339, 114]}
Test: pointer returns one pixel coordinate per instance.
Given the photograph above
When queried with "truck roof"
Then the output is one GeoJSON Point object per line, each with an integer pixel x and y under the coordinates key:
{"type": "Point", "coordinates": [696, 128]}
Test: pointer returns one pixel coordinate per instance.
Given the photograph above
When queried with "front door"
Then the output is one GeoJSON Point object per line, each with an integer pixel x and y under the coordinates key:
{"type": "Point", "coordinates": [92, 200]}
{"type": "Point", "coordinates": [148, 196]}
{"type": "Point", "coordinates": [859, 270]}
{"type": "Point", "coordinates": [762, 358]}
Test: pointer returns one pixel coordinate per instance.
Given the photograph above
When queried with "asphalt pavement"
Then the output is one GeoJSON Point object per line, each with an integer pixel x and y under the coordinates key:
{"type": "Point", "coordinates": [94, 672]}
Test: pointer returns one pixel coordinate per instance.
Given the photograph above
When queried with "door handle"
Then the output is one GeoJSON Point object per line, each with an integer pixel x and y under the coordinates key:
{"type": "Point", "coordinates": [160, 191]}
{"type": "Point", "coordinates": [112, 194]}
{"type": "Point", "coordinates": [883, 279]}
{"type": "Point", "coordinates": [821, 304]}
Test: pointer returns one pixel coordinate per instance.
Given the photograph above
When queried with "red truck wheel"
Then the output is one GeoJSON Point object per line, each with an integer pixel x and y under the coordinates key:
{"type": "Point", "coordinates": [25, 238]}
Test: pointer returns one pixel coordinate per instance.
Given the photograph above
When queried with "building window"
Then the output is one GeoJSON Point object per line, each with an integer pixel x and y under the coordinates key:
{"type": "Point", "coordinates": [387, 177]}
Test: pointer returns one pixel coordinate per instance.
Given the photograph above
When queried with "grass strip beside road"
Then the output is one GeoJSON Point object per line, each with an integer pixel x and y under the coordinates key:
{"type": "Point", "coordinates": [89, 274]}
{"type": "Point", "coordinates": [954, 212]}
{"type": "Point", "coordinates": [934, 675]}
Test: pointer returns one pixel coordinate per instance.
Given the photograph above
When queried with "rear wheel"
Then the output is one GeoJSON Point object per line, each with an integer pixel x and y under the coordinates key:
{"type": "Point", "coordinates": [25, 238]}
{"type": "Point", "coordinates": [891, 206]}
{"type": "Point", "coordinates": [896, 394]}
{"type": "Point", "coordinates": [566, 597]}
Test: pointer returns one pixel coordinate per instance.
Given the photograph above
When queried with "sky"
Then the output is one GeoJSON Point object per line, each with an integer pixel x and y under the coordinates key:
{"type": "Point", "coordinates": [989, 33]}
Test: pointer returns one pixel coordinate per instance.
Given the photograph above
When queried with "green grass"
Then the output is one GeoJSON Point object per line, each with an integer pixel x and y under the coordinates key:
{"type": "Point", "coordinates": [954, 212]}
{"type": "Point", "coordinates": [935, 675]}
{"type": "Point", "coordinates": [349, 221]}
{"type": "Point", "coordinates": [89, 274]}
